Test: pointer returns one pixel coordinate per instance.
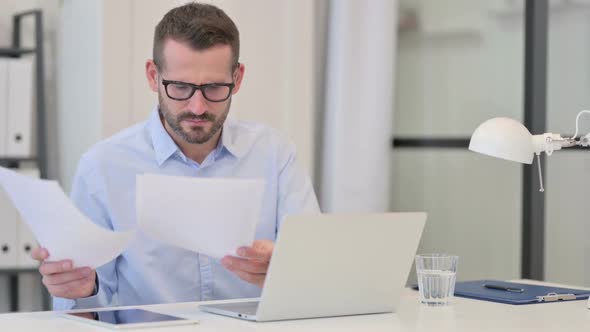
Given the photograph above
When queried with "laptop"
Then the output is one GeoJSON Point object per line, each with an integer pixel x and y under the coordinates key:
{"type": "Point", "coordinates": [334, 265]}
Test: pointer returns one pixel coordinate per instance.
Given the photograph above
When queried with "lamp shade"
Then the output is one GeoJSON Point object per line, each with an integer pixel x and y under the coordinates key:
{"type": "Point", "coordinates": [503, 138]}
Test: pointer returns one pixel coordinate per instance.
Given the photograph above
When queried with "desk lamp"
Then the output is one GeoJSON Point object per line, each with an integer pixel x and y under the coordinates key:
{"type": "Point", "coordinates": [508, 139]}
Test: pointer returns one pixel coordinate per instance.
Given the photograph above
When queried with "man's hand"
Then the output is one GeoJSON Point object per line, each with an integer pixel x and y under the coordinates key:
{"type": "Point", "coordinates": [61, 279]}
{"type": "Point", "coordinates": [252, 263]}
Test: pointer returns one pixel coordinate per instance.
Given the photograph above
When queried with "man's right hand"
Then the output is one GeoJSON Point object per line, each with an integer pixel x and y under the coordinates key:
{"type": "Point", "coordinates": [62, 280]}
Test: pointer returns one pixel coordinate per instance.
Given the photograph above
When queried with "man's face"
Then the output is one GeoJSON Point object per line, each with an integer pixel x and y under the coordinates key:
{"type": "Point", "coordinates": [190, 126]}
{"type": "Point", "coordinates": [195, 120]}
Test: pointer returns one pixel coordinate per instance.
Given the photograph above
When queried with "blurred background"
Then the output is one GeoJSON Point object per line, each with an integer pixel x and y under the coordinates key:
{"type": "Point", "coordinates": [380, 96]}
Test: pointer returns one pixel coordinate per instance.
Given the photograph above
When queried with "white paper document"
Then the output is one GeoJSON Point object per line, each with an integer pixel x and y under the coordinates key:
{"type": "Point", "coordinates": [58, 225]}
{"type": "Point", "coordinates": [209, 216]}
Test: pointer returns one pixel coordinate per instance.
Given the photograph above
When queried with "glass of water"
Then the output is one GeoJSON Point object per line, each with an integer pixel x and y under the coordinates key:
{"type": "Point", "coordinates": [437, 274]}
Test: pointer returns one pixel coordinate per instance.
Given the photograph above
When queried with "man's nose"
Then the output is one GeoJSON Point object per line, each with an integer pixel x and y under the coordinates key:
{"type": "Point", "coordinates": [197, 103]}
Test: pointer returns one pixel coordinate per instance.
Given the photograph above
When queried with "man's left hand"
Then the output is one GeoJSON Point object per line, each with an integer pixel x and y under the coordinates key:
{"type": "Point", "coordinates": [252, 262]}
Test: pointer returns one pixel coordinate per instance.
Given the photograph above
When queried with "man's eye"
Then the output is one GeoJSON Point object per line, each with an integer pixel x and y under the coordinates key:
{"type": "Point", "coordinates": [181, 87]}
{"type": "Point", "coordinates": [215, 88]}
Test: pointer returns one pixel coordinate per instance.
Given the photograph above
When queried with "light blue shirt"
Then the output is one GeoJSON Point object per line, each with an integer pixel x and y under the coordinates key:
{"type": "Point", "coordinates": [152, 272]}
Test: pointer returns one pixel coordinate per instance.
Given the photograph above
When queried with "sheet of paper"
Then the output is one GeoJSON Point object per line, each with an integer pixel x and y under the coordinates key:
{"type": "Point", "coordinates": [210, 216]}
{"type": "Point", "coordinates": [58, 225]}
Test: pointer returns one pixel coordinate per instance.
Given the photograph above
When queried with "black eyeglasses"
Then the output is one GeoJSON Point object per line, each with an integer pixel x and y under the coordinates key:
{"type": "Point", "coordinates": [214, 92]}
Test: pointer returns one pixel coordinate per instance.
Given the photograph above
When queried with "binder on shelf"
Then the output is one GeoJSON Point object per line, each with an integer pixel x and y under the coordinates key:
{"type": "Point", "coordinates": [3, 105]}
{"type": "Point", "coordinates": [8, 232]}
{"type": "Point", "coordinates": [24, 245]}
{"type": "Point", "coordinates": [516, 293]}
{"type": "Point", "coordinates": [25, 239]}
{"type": "Point", "coordinates": [19, 134]}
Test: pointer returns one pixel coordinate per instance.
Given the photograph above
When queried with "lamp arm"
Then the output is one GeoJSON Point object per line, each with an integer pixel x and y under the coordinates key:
{"type": "Point", "coordinates": [549, 142]}
{"type": "Point", "coordinates": [577, 119]}
{"type": "Point", "coordinates": [584, 140]}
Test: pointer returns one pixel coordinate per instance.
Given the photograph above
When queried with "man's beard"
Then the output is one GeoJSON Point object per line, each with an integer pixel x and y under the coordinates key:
{"type": "Point", "coordinates": [194, 135]}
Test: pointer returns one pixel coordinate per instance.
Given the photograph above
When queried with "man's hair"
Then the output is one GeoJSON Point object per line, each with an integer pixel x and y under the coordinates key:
{"type": "Point", "coordinates": [199, 25]}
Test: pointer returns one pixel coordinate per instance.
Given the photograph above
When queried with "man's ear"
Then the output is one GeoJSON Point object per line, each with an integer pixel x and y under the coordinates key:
{"type": "Point", "coordinates": [151, 73]}
{"type": "Point", "coordinates": [239, 76]}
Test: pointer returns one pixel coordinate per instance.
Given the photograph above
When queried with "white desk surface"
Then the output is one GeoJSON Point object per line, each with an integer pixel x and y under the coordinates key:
{"type": "Point", "coordinates": [462, 315]}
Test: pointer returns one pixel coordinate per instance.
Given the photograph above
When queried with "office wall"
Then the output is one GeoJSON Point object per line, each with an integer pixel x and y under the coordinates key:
{"type": "Point", "coordinates": [567, 173]}
{"type": "Point", "coordinates": [462, 64]}
{"type": "Point", "coordinates": [30, 287]}
{"type": "Point", "coordinates": [80, 84]}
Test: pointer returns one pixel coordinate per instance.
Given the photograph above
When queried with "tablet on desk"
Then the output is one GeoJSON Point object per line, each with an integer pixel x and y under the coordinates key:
{"type": "Point", "coordinates": [128, 318]}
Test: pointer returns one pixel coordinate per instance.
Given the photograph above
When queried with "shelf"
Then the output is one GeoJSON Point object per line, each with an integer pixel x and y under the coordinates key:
{"type": "Point", "coordinates": [15, 52]}
{"type": "Point", "coordinates": [16, 160]}
{"type": "Point", "coordinates": [17, 270]}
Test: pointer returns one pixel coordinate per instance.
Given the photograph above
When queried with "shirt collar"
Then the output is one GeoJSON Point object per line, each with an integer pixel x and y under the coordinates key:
{"type": "Point", "coordinates": [230, 142]}
{"type": "Point", "coordinates": [165, 147]}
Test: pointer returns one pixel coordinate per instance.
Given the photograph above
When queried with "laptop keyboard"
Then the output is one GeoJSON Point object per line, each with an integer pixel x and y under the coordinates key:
{"type": "Point", "coordinates": [248, 308]}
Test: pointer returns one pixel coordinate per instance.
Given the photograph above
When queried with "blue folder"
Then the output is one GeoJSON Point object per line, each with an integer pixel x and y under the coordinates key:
{"type": "Point", "coordinates": [516, 293]}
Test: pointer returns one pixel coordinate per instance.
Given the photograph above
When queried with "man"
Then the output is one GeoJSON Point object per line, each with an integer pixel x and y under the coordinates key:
{"type": "Point", "coordinates": [195, 72]}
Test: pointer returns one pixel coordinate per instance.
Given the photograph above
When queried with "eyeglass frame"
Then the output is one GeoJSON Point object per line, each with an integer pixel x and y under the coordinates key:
{"type": "Point", "coordinates": [196, 87]}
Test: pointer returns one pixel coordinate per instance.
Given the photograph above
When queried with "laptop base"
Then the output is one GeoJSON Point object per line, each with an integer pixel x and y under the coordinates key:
{"type": "Point", "coordinates": [242, 310]}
